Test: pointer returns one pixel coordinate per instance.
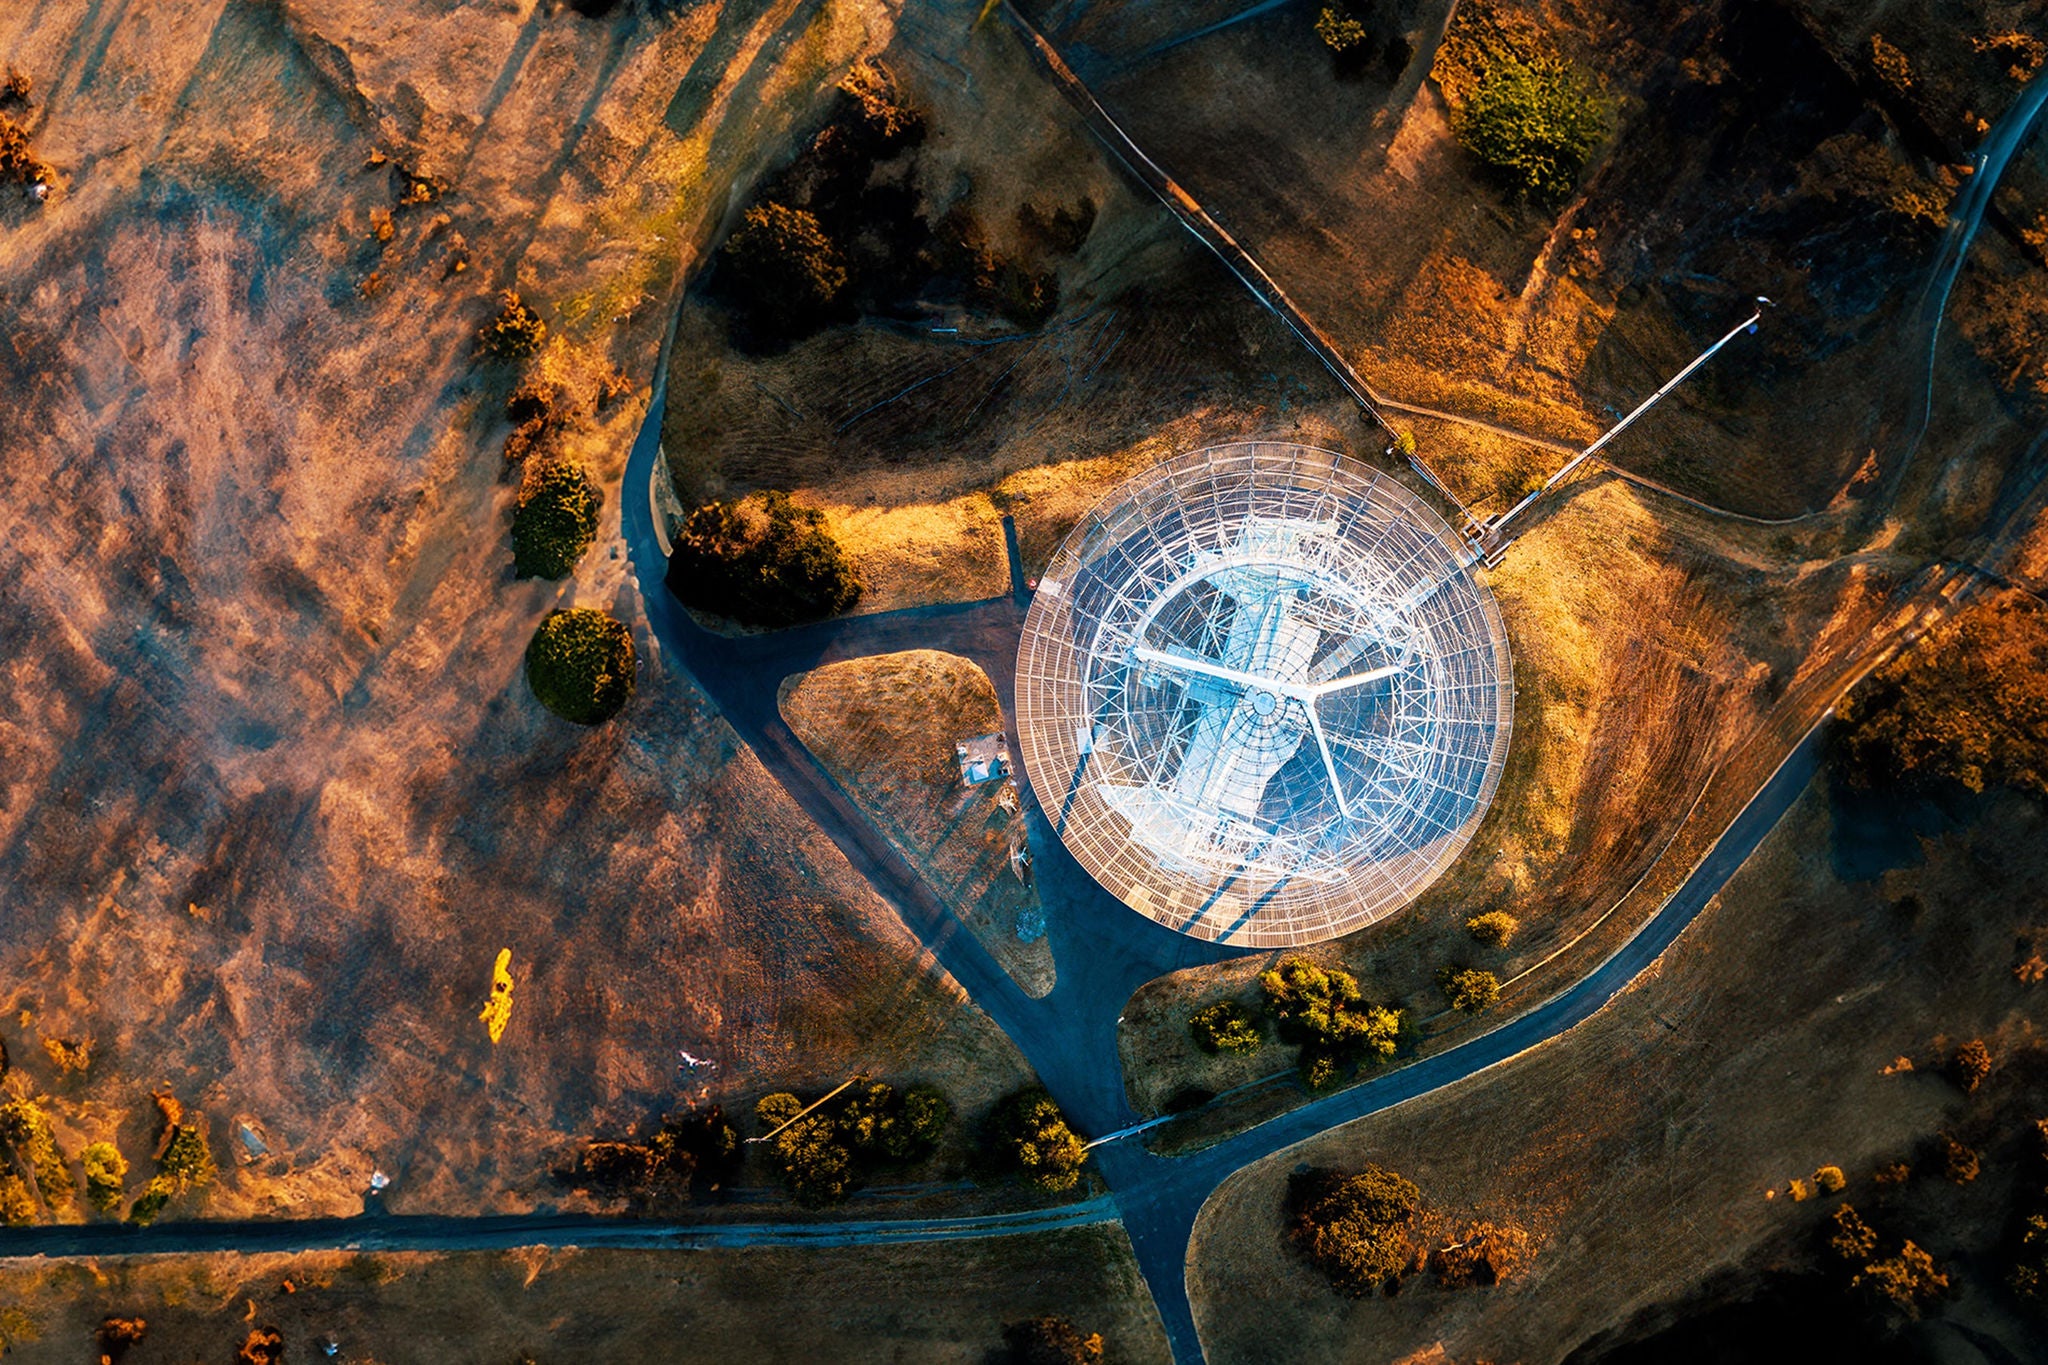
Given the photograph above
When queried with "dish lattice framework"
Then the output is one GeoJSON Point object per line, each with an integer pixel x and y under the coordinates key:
{"type": "Point", "coordinates": [1261, 695]}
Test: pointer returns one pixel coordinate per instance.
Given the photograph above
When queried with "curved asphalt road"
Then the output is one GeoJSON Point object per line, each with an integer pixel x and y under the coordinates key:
{"type": "Point", "coordinates": [1102, 951]}
{"type": "Point", "coordinates": [378, 1232]}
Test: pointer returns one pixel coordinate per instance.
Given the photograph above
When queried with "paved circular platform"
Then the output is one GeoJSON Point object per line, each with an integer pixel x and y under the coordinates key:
{"type": "Point", "coordinates": [1261, 696]}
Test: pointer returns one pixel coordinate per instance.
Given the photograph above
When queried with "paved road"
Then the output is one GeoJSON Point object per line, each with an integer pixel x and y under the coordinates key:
{"type": "Point", "coordinates": [422, 1233]}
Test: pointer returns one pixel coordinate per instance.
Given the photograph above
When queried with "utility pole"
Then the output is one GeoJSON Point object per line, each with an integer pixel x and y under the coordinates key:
{"type": "Point", "coordinates": [1493, 529]}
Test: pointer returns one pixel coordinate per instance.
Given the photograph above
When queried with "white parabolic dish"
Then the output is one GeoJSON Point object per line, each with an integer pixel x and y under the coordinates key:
{"type": "Point", "coordinates": [1261, 696]}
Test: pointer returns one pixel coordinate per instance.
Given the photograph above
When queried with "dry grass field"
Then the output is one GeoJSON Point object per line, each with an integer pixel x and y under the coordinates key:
{"type": "Point", "coordinates": [273, 792]}
{"type": "Point", "coordinates": [1650, 1151]}
{"type": "Point", "coordinates": [884, 728]}
{"type": "Point", "coordinates": [939, 1302]}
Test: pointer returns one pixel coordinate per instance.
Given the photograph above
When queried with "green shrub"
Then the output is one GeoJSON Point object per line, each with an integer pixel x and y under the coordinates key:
{"type": "Point", "coordinates": [1471, 991]}
{"type": "Point", "coordinates": [187, 1162]}
{"type": "Point", "coordinates": [26, 1129]}
{"type": "Point", "coordinates": [1967, 704]}
{"type": "Point", "coordinates": [1533, 121]}
{"type": "Point", "coordinates": [556, 520]}
{"type": "Point", "coordinates": [1318, 1071]}
{"type": "Point", "coordinates": [580, 665]}
{"type": "Point", "coordinates": [1356, 1229]}
{"type": "Point", "coordinates": [1339, 31]}
{"type": "Point", "coordinates": [1032, 1137]}
{"type": "Point", "coordinates": [1494, 928]}
{"type": "Point", "coordinates": [783, 273]}
{"type": "Point", "coordinates": [777, 569]}
{"type": "Point", "coordinates": [17, 1204]}
{"type": "Point", "coordinates": [106, 1174]}
{"type": "Point", "coordinates": [1321, 1010]}
{"type": "Point", "coordinates": [1226, 1026]}
{"type": "Point", "coordinates": [1049, 1341]}
{"type": "Point", "coordinates": [514, 333]}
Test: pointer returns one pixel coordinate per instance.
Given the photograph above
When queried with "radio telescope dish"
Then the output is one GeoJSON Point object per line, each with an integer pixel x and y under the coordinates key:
{"type": "Point", "coordinates": [1261, 696]}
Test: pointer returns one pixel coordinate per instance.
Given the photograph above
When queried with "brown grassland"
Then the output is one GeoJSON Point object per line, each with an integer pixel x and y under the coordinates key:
{"type": "Point", "coordinates": [884, 728]}
{"type": "Point", "coordinates": [273, 792]}
{"type": "Point", "coordinates": [946, 1301]}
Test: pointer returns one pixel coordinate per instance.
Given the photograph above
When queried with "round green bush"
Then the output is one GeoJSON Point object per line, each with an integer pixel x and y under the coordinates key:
{"type": "Point", "coordinates": [1533, 123]}
{"type": "Point", "coordinates": [1226, 1026]}
{"type": "Point", "coordinates": [580, 665]}
{"type": "Point", "coordinates": [556, 520]}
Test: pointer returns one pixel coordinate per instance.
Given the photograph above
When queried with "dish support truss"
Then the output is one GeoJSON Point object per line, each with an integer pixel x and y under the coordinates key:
{"type": "Point", "coordinates": [1261, 695]}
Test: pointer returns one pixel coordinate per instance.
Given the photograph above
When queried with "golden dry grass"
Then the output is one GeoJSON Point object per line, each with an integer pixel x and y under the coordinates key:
{"type": "Point", "coordinates": [274, 793]}
{"type": "Point", "coordinates": [885, 728]}
{"type": "Point", "coordinates": [936, 1302]}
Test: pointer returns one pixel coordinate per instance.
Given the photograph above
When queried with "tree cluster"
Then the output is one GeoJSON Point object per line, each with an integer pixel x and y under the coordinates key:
{"type": "Point", "coordinates": [184, 1164]}
{"type": "Point", "coordinates": [1322, 1010]}
{"type": "Point", "coordinates": [777, 566]}
{"type": "Point", "coordinates": [842, 232]}
{"type": "Point", "coordinates": [1358, 1230]}
{"type": "Point", "coordinates": [1904, 1283]}
{"type": "Point", "coordinates": [25, 1131]}
{"type": "Point", "coordinates": [1226, 1026]}
{"type": "Point", "coordinates": [1968, 704]}
{"type": "Point", "coordinates": [1028, 1134]}
{"type": "Point", "coordinates": [687, 1149]}
{"type": "Point", "coordinates": [555, 520]}
{"type": "Point", "coordinates": [580, 665]}
{"type": "Point", "coordinates": [822, 1156]}
{"type": "Point", "coordinates": [2029, 1251]}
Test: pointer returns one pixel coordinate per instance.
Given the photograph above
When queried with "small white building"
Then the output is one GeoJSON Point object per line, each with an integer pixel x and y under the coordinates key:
{"type": "Point", "coordinates": [985, 758]}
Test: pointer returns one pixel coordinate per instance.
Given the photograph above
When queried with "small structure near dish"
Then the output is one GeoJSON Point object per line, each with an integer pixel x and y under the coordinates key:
{"type": "Point", "coordinates": [985, 758]}
{"type": "Point", "coordinates": [1261, 695]}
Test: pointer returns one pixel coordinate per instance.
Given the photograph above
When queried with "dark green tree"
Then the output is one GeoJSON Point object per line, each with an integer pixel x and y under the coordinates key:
{"type": "Point", "coordinates": [580, 665]}
{"type": "Point", "coordinates": [1471, 991]}
{"type": "Point", "coordinates": [1032, 1137]}
{"type": "Point", "coordinates": [782, 272]}
{"type": "Point", "coordinates": [1356, 1229]}
{"type": "Point", "coordinates": [556, 519]}
{"type": "Point", "coordinates": [776, 569]}
{"type": "Point", "coordinates": [1533, 121]}
{"type": "Point", "coordinates": [1494, 928]}
{"type": "Point", "coordinates": [1322, 1010]}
